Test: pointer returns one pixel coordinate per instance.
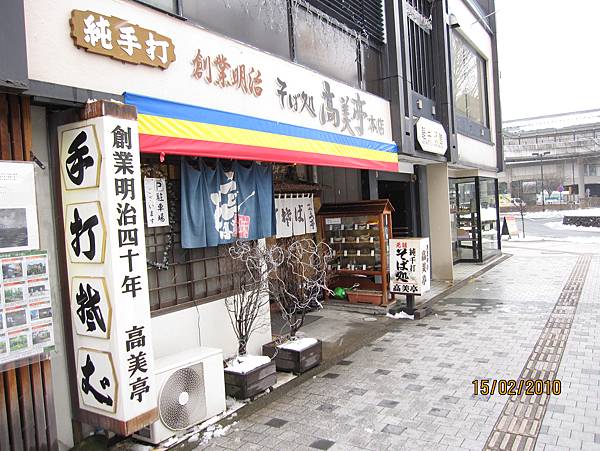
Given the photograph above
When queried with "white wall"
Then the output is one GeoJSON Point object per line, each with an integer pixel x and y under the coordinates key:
{"type": "Point", "coordinates": [471, 150]}
{"type": "Point", "coordinates": [46, 220]}
{"type": "Point", "coordinates": [204, 325]}
{"type": "Point", "coordinates": [440, 234]}
{"type": "Point", "coordinates": [476, 152]}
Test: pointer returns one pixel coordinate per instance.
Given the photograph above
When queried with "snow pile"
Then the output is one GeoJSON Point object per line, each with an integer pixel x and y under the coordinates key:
{"type": "Point", "coordinates": [245, 364]}
{"type": "Point", "coordinates": [568, 239]}
{"type": "Point", "coordinates": [400, 315]}
{"type": "Point", "coordinates": [561, 226]}
{"type": "Point", "coordinates": [298, 345]}
{"type": "Point", "coordinates": [560, 213]}
{"type": "Point", "coordinates": [215, 431]}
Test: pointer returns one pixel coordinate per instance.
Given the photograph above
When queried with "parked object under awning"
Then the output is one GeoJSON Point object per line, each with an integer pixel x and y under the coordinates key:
{"type": "Point", "coordinates": [181, 129]}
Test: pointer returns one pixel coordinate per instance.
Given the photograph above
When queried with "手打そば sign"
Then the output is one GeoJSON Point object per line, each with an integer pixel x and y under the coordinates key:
{"type": "Point", "coordinates": [120, 39]}
{"type": "Point", "coordinates": [105, 243]}
{"type": "Point", "coordinates": [409, 266]}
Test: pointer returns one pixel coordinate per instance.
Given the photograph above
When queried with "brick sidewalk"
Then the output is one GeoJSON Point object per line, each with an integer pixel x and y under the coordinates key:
{"type": "Point", "coordinates": [411, 389]}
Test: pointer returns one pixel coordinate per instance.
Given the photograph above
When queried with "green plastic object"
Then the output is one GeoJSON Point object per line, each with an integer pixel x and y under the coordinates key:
{"type": "Point", "coordinates": [339, 293]}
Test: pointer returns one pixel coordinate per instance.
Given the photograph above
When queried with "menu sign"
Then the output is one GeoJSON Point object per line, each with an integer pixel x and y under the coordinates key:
{"type": "Point", "coordinates": [409, 266]}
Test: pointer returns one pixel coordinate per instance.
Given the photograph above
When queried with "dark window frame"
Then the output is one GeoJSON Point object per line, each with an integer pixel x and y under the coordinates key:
{"type": "Point", "coordinates": [465, 125]}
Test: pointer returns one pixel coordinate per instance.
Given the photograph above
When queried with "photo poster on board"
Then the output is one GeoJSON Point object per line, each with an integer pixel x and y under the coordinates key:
{"type": "Point", "coordinates": [26, 323]}
{"type": "Point", "coordinates": [18, 207]}
{"type": "Point", "coordinates": [295, 214]}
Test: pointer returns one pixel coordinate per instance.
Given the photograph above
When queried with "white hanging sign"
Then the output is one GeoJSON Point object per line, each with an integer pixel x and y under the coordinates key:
{"type": "Point", "coordinates": [105, 242]}
{"type": "Point", "coordinates": [309, 214]}
{"type": "Point", "coordinates": [409, 265]}
{"type": "Point", "coordinates": [299, 223]}
{"type": "Point", "coordinates": [157, 208]}
{"type": "Point", "coordinates": [431, 136]}
{"type": "Point", "coordinates": [295, 215]}
{"type": "Point", "coordinates": [284, 217]}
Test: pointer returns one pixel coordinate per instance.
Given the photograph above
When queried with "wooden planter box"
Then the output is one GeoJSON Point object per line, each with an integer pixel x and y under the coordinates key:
{"type": "Point", "coordinates": [248, 385]}
{"type": "Point", "coordinates": [366, 297]}
{"type": "Point", "coordinates": [294, 361]}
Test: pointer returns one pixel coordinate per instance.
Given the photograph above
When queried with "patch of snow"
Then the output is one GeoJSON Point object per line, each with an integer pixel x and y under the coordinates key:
{"type": "Point", "coordinates": [215, 431]}
{"type": "Point", "coordinates": [369, 431]}
{"type": "Point", "coordinates": [561, 226]}
{"type": "Point", "coordinates": [400, 315]}
{"type": "Point", "coordinates": [298, 345]}
{"type": "Point", "coordinates": [568, 239]}
{"type": "Point", "coordinates": [548, 214]}
{"type": "Point", "coordinates": [194, 438]}
{"type": "Point", "coordinates": [245, 364]}
{"type": "Point", "coordinates": [233, 404]}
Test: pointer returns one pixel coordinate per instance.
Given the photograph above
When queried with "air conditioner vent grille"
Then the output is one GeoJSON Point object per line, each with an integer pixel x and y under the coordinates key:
{"type": "Point", "coordinates": [182, 400]}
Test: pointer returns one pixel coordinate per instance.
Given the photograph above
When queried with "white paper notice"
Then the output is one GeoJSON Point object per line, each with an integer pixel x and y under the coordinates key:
{"type": "Point", "coordinates": [157, 207]}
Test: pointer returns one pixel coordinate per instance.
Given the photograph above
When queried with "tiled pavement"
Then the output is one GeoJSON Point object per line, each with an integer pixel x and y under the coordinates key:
{"type": "Point", "coordinates": [412, 388]}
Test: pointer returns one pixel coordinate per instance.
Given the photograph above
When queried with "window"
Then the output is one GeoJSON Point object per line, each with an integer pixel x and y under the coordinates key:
{"type": "Point", "coordinates": [166, 5]}
{"type": "Point", "coordinates": [261, 24]}
{"type": "Point", "coordinates": [420, 47]}
{"type": "Point", "coordinates": [372, 70]}
{"type": "Point", "coordinates": [322, 46]}
{"type": "Point", "coordinates": [592, 170]}
{"type": "Point", "coordinates": [469, 82]}
{"type": "Point", "coordinates": [192, 275]}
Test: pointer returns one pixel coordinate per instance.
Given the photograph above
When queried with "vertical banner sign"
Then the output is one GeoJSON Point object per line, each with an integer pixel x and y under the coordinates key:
{"type": "Point", "coordinates": [106, 253]}
{"type": "Point", "coordinates": [409, 266]}
{"type": "Point", "coordinates": [284, 217]}
{"type": "Point", "coordinates": [299, 223]}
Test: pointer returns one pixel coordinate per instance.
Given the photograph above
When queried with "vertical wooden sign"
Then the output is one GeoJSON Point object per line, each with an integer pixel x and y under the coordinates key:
{"type": "Point", "coordinates": [106, 264]}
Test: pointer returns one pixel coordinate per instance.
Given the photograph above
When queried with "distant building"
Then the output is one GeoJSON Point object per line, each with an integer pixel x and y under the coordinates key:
{"type": "Point", "coordinates": [572, 163]}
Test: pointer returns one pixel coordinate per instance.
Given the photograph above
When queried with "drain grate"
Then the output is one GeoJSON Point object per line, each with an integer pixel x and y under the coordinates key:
{"type": "Point", "coordinates": [520, 421]}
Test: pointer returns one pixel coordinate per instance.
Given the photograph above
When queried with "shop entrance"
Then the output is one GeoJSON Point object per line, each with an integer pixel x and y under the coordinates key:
{"type": "Point", "coordinates": [474, 219]}
{"type": "Point", "coordinates": [403, 217]}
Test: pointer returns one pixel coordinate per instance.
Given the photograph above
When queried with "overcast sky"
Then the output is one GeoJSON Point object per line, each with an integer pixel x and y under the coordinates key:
{"type": "Point", "coordinates": [549, 53]}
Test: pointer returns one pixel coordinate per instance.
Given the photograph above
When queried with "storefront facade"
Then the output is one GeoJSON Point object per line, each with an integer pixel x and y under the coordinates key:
{"type": "Point", "coordinates": [324, 134]}
{"type": "Point", "coordinates": [188, 93]}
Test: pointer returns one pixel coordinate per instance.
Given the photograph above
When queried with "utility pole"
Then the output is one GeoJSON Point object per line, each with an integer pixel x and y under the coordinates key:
{"type": "Point", "coordinates": [541, 155]}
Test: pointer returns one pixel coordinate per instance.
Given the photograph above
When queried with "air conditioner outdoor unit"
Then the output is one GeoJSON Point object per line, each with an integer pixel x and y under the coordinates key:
{"type": "Point", "coordinates": [191, 389]}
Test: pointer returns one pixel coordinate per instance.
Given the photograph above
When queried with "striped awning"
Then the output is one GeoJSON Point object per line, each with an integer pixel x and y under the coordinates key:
{"type": "Point", "coordinates": [181, 129]}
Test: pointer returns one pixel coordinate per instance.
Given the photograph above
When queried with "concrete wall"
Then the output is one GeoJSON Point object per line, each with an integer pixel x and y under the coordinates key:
{"type": "Point", "coordinates": [204, 325]}
{"type": "Point", "coordinates": [47, 225]}
{"type": "Point", "coordinates": [440, 235]}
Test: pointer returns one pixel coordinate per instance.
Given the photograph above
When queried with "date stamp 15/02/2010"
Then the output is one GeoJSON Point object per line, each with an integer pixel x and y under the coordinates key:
{"type": "Point", "coordinates": [513, 387]}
